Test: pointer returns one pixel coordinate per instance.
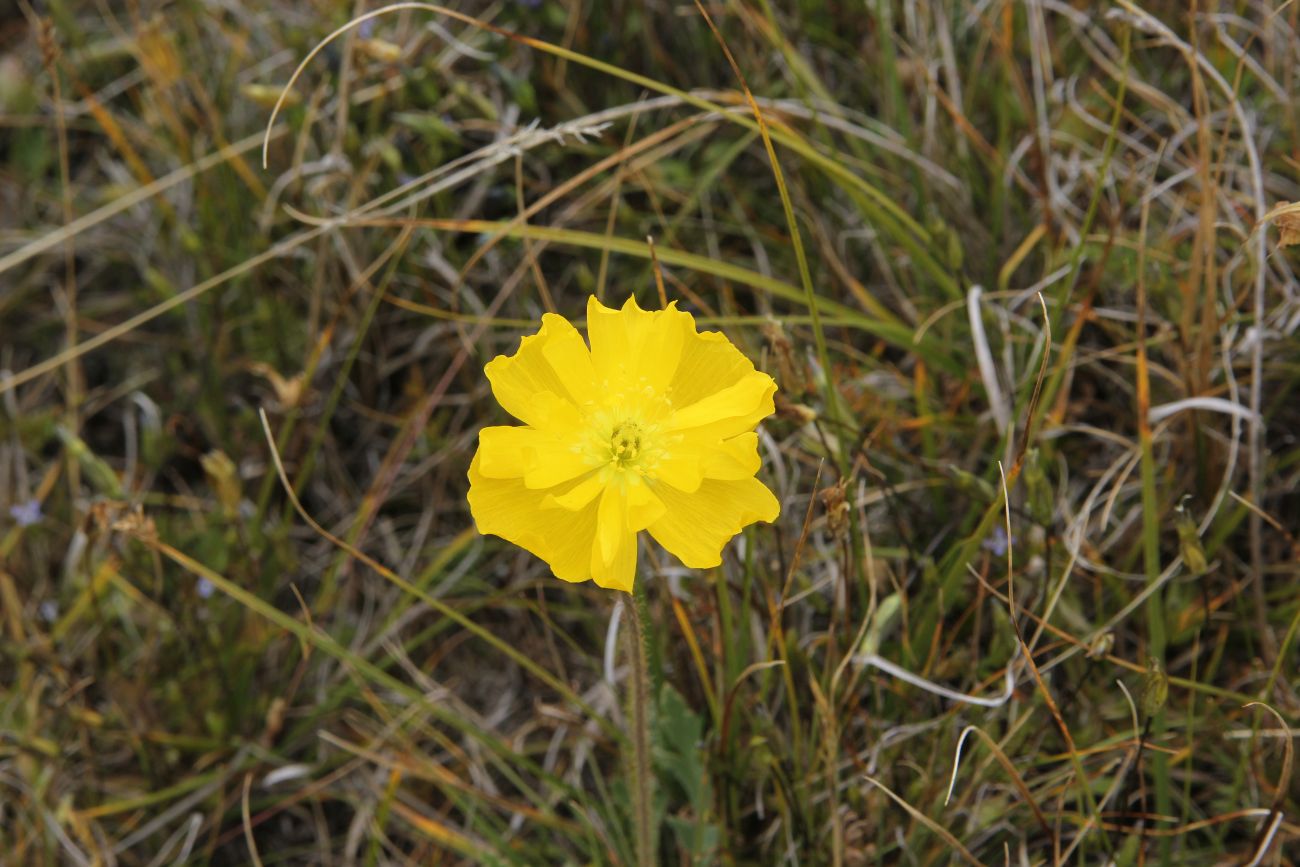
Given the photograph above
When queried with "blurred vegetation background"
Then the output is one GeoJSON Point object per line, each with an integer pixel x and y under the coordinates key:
{"type": "Point", "coordinates": [1039, 491]}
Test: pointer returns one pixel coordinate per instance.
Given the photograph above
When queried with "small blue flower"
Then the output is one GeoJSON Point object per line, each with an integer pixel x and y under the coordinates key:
{"type": "Point", "coordinates": [49, 610]}
{"type": "Point", "coordinates": [26, 514]}
{"type": "Point", "coordinates": [997, 542]}
{"type": "Point", "coordinates": [204, 588]}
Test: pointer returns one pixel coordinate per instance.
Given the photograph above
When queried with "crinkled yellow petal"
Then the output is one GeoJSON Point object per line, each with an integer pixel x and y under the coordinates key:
{"type": "Point", "coordinates": [569, 357]}
{"type": "Point", "coordinates": [693, 459]}
{"type": "Point", "coordinates": [619, 572]}
{"type": "Point", "coordinates": [506, 452]}
{"type": "Point", "coordinates": [581, 494]}
{"type": "Point", "coordinates": [637, 348]}
{"type": "Point", "coordinates": [709, 362]}
{"type": "Point", "coordinates": [522, 381]}
{"type": "Point", "coordinates": [556, 465]}
{"type": "Point", "coordinates": [506, 508]}
{"type": "Point", "coordinates": [736, 458]}
{"type": "Point", "coordinates": [728, 411]}
{"type": "Point", "coordinates": [682, 467]}
{"type": "Point", "coordinates": [543, 459]}
{"type": "Point", "coordinates": [695, 527]}
{"type": "Point", "coordinates": [611, 523]}
{"type": "Point", "coordinates": [643, 507]}
{"type": "Point", "coordinates": [624, 510]}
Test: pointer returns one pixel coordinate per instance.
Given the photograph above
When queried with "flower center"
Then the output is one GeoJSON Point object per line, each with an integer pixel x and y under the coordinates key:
{"type": "Point", "coordinates": [625, 443]}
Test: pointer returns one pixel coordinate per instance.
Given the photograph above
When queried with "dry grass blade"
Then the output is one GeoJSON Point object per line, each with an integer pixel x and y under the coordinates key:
{"type": "Point", "coordinates": [1031, 411]}
{"type": "Point", "coordinates": [1007, 765]}
{"type": "Point", "coordinates": [796, 236]}
{"type": "Point", "coordinates": [925, 820]}
{"type": "Point", "coordinates": [1081, 777]}
{"type": "Point", "coordinates": [437, 605]}
{"type": "Point", "coordinates": [254, 858]}
{"type": "Point", "coordinates": [1268, 832]}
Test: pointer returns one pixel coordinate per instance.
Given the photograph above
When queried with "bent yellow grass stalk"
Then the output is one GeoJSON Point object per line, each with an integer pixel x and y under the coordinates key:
{"type": "Point", "coordinates": [651, 427]}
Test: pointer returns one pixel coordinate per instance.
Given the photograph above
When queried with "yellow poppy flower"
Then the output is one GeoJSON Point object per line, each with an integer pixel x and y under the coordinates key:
{"type": "Point", "coordinates": [652, 428]}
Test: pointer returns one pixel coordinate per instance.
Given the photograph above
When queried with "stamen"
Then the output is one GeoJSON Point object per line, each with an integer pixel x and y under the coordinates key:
{"type": "Point", "coordinates": [625, 443]}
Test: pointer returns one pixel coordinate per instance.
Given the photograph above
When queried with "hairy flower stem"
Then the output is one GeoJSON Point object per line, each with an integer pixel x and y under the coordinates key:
{"type": "Point", "coordinates": [639, 700]}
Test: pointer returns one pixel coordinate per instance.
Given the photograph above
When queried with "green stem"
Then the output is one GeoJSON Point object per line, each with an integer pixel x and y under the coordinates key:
{"type": "Point", "coordinates": [639, 699]}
